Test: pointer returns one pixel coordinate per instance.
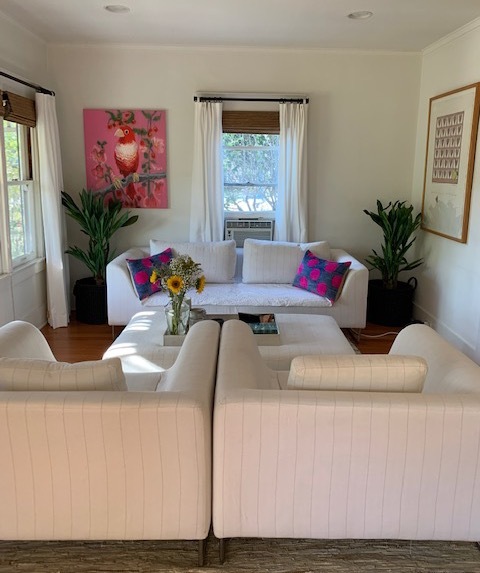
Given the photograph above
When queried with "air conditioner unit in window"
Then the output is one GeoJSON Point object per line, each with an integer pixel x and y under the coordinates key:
{"type": "Point", "coordinates": [241, 229]}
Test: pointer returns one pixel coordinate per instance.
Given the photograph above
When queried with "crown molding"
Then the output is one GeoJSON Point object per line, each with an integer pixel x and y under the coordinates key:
{"type": "Point", "coordinates": [453, 36]}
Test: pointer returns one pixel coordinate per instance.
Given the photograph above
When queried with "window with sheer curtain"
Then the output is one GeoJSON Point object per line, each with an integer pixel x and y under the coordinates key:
{"type": "Point", "coordinates": [19, 203]}
{"type": "Point", "coordinates": [228, 173]}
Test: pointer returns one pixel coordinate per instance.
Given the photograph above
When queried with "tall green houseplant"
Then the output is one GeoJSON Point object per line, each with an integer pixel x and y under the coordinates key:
{"type": "Point", "coordinates": [99, 221]}
{"type": "Point", "coordinates": [398, 225]}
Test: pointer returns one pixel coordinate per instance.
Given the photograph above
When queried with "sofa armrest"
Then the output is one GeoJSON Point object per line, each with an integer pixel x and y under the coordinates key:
{"type": "Point", "coordinates": [195, 367]}
{"type": "Point", "coordinates": [240, 364]}
{"type": "Point", "coordinates": [449, 370]}
{"type": "Point", "coordinates": [357, 276]}
{"type": "Point", "coordinates": [19, 339]}
{"type": "Point", "coordinates": [120, 291]}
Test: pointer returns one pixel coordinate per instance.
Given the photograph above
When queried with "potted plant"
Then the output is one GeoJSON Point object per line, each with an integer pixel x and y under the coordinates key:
{"type": "Point", "coordinates": [99, 221]}
{"type": "Point", "coordinates": [390, 301]}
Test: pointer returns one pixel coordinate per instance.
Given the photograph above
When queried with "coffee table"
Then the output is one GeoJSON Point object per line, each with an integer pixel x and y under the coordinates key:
{"type": "Point", "coordinates": [144, 358]}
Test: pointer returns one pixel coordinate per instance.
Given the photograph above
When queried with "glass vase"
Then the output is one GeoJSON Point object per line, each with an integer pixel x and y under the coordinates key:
{"type": "Point", "coordinates": [177, 313]}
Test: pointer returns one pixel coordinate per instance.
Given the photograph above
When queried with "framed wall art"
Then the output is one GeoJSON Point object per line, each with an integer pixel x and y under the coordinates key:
{"type": "Point", "coordinates": [125, 156]}
{"type": "Point", "coordinates": [451, 143]}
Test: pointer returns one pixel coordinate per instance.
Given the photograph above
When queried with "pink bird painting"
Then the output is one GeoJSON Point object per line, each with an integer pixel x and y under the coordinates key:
{"type": "Point", "coordinates": [125, 156]}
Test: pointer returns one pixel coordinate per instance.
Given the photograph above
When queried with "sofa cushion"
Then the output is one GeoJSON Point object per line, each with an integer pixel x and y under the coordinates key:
{"type": "Point", "coordinates": [26, 374]}
{"type": "Point", "coordinates": [321, 276]}
{"type": "Point", "coordinates": [376, 372]}
{"type": "Point", "coordinates": [141, 271]}
{"type": "Point", "coordinates": [216, 258]}
{"type": "Point", "coordinates": [267, 262]}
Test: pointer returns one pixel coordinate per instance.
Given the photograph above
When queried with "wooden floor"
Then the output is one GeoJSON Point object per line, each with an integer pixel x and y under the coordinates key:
{"type": "Point", "coordinates": [81, 341]}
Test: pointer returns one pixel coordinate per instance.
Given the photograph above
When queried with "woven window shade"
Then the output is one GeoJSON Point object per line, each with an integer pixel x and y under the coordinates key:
{"type": "Point", "coordinates": [251, 122]}
{"type": "Point", "coordinates": [22, 110]}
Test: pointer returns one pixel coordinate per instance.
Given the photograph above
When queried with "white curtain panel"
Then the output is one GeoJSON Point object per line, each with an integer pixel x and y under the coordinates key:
{"type": "Point", "coordinates": [51, 184]}
{"type": "Point", "coordinates": [291, 215]}
{"type": "Point", "coordinates": [206, 220]}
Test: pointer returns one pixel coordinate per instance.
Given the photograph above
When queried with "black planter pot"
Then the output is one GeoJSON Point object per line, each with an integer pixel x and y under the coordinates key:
{"type": "Point", "coordinates": [390, 307]}
{"type": "Point", "coordinates": [90, 301]}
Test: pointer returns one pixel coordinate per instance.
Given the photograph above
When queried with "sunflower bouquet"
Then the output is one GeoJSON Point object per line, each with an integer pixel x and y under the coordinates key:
{"type": "Point", "coordinates": [180, 275]}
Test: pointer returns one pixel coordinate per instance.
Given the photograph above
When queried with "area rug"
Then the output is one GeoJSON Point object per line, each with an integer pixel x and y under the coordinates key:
{"type": "Point", "coordinates": [242, 555]}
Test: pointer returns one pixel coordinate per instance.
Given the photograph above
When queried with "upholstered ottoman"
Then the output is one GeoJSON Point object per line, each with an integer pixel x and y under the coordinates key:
{"type": "Point", "coordinates": [302, 334]}
{"type": "Point", "coordinates": [144, 358]}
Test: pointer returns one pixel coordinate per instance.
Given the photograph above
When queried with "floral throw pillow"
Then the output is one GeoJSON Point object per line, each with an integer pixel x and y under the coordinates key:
{"type": "Point", "coordinates": [321, 277]}
{"type": "Point", "coordinates": [141, 271]}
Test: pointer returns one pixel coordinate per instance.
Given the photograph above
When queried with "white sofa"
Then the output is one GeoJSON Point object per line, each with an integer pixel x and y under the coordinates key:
{"type": "Point", "coordinates": [256, 279]}
{"type": "Point", "coordinates": [98, 465]}
{"type": "Point", "coordinates": [343, 464]}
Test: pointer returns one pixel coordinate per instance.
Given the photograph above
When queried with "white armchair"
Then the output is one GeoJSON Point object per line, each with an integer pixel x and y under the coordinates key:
{"type": "Point", "coordinates": [343, 464]}
{"type": "Point", "coordinates": [100, 465]}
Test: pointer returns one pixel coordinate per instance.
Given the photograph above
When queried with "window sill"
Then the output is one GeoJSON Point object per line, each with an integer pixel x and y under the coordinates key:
{"type": "Point", "coordinates": [27, 270]}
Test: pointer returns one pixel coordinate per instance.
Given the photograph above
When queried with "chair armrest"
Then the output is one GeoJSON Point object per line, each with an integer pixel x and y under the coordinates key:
{"type": "Point", "coordinates": [196, 365]}
{"type": "Point", "coordinates": [19, 339]}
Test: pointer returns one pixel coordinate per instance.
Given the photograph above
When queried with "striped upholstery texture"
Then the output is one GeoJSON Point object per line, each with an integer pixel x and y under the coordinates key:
{"type": "Point", "coordinates": [328, 464]}
{"type": "Point", "coordinates": [359, 372]}
{"type": "Point", "coordinates": [29, 374]}
{"type": "Point", "coordinates": [113, 465]}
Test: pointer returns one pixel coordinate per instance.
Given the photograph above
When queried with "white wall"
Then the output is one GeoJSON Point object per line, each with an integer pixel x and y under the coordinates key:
{"type": "Point", "coordinates": [448, 294]}
{"type": "Point", "coordinates": [22, 293]}
{"type": "Point", "coordinates": [362, 123]}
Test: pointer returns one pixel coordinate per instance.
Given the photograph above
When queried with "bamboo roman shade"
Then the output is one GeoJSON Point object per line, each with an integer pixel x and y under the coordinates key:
{"type": "Point", "coordinates": [251, 122]}
{"type": "Point", "coordinates": [18, 109]}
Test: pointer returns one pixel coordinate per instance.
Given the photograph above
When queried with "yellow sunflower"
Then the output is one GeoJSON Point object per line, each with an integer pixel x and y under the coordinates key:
{"type": "Point", "coordinates": [175, 284]}
{"type": "Point", "coordinates": [200, 284]}
{"type": "Point", "coordinates": [154, 277]}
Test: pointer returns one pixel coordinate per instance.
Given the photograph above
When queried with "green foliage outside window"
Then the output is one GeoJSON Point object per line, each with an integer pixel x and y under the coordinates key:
{"type": "Point", "coordinates": [250, 170]}
{"type": "Point", "coordinates": [18, 193]}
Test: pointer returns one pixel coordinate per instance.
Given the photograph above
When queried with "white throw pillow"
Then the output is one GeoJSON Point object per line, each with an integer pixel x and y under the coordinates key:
{"type": "Point", "coordinates": [216, 258]}
{"type": "Point", "coordinates": [267, 262]}
{"type": "Point", "coordinates": [364, 372]}
{"type": "Point", "coordinates": [27, 374]}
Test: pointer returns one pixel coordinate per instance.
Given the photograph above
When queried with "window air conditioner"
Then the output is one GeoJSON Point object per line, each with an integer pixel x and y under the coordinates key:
{"type": "Point", "coordinates": [241, 229]}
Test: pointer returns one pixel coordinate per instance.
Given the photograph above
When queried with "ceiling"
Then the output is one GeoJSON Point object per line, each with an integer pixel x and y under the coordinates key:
{"type": "Point", "coordinates": [398, 25]}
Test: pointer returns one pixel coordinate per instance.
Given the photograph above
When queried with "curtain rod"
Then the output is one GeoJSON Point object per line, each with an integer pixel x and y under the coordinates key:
{"type": "Point", "coordinates": [30, 85]}
{"type": "Point", "coordinates": [279, 100]}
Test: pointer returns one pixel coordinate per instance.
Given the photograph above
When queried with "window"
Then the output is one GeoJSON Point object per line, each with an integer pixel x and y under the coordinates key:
{"type": "Point", "coordinates": [250, 168]}
{"type": "Point", "coordinates": [250, 161]}
{"type": "Point", "coordinates": [20, 191]}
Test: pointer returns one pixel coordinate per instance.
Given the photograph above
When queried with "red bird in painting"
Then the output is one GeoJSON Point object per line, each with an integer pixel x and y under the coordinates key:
{"type": "Point", "coordinates": [126, 157]}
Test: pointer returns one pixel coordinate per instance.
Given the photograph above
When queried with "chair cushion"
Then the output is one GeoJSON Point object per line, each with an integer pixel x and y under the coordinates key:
{"type": "Point", "coordinates": [141, 271]}
{"type": "Point", "coordinates": [365, 372]}
{"type": "Point", "coordinates": [267, 262]}
{"type": "Point", "coordinates": [26, 374]}
{"type": "Point", "coordinates": [320, 276]}
{"type": "Point", "coordinates": [217, 258]}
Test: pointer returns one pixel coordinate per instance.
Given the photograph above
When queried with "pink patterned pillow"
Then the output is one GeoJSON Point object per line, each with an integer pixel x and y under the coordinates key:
{"type": "Point", "coordinates": [321, 277]}
{"type": "Point", "coordinates": [141, 270]}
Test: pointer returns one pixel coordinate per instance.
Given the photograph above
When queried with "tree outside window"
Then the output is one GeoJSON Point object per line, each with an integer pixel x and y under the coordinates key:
{"type": "Point", "coordinates": [250, 167]}
{"type": "Point", "coordinates": [20, 191]}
